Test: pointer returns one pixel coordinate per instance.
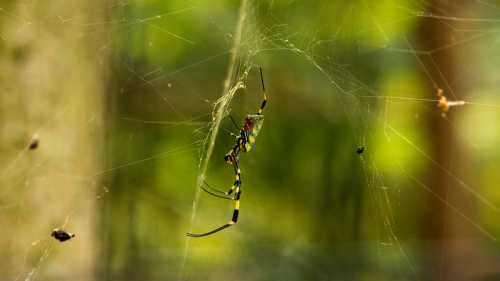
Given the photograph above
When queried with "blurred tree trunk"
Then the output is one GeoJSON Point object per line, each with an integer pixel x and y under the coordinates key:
{"type": "Point", "coordinates": [51, 77]}
{"type": "Point", "coordinates": [452, 247]}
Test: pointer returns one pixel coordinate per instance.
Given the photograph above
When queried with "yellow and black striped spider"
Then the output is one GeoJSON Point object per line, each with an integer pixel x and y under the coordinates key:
{"type": "Point", "coordinates": [244, 143]}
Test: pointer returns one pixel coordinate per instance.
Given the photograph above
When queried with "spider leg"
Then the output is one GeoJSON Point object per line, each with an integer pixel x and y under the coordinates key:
{"type": "Point", "coordinates": [234, 122]}
{"type": "Point", "coordinates": [232, 222]}
{"type": "Point", "coordinates": [210, 232]}
{"type": "Point", "coordinates": [263, 104]}
{"type": "Point", "coordinates": [236, 210]}
{"type": "Point", "coordinates": [230, 133]}
{"type": "Point", "coordinates": [215, 194]}
{"type": "Point", "coordinates": [214, 189]}
{"type": "Point", "coordinates": [231, 189]}
{"type": "Point", "coordinates": [232, 155]}
{"type": "Point", "coordinates": [219, 193]}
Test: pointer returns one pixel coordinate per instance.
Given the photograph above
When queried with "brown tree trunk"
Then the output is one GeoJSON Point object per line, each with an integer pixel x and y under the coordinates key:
{"type": "Point", "coordinates": [452, 249]}
{"type": "Point", "coordinates": [51, 86]}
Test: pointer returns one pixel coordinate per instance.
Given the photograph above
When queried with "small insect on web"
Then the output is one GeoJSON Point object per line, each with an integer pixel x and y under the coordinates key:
{"type": "Point", "coordinates": [61, 235]}
{"type": "Point", "coordinates": [244, 143]}
{"type": "Point", "coordinates": [34, 142]}
{"type": "Point", "coordinates": [360, 149]}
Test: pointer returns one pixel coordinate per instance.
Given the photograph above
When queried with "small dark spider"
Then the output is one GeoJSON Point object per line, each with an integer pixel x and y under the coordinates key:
{"type": "Point", "coordinates": [61, 235]}
{"type": "Point", "coordinates": [360, 149]}
{"type": "Point", "coordinates": [244, 143]}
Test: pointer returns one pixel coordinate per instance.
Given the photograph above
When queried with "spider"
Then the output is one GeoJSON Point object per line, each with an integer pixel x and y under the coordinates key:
{"type": "Point", "coordinates": [245, 142]}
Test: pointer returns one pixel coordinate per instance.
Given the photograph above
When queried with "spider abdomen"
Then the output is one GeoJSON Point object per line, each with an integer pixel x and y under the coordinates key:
{"type": "Point", "coordinates": [253, 124]}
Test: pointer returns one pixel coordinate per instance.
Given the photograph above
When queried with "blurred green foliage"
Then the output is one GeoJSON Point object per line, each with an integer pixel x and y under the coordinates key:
{"type": "Point", "coordinates": [339, 74]}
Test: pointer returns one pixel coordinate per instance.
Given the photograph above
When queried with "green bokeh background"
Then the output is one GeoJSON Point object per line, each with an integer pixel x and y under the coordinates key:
{"type": "Point", "coordinates": [339, 74]}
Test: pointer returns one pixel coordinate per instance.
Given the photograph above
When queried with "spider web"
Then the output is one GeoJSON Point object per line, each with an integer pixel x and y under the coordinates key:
{"type": "Point", "coordinates": [150, 123]}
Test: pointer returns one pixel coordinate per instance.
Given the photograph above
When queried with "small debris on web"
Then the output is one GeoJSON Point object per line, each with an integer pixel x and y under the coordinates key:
{"type": "Point", "coordinates": [62, 235]}
{"type": "Point", "coordinates": [34, 142]}
{"type": "Point", "coordinates": [444, 104]}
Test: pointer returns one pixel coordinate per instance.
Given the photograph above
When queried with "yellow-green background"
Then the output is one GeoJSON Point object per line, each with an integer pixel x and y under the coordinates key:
{"type": "Point", "coordinates": [121, 94]}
